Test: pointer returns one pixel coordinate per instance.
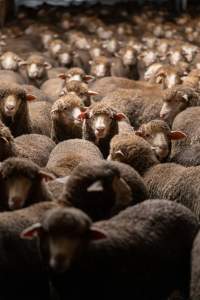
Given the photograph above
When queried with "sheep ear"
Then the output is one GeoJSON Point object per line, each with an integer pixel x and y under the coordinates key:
{"type": "Point", "coordinates": [97, 186]}
{"type": "Point", "coordinates": [122, 191]}
{"type": "Point", "coordinates": [92, 93]}
{"type": "Point", "coordinates": [97, 234]}
{"type": "Point", "coordinates": [31, 232]}
{"type": "Point", "coordinates": [177, 135]}
{"type": "Point", "coordinates": [87, 78]}
{"type": "Point", "coordinates": [185, 97]}
{"type": "Point", "coordinates": [119, 116]}
{"type": "Point", "coordinates": [46, 176]}
{"type": "Point", "coordinates": [83, 115]}
{"type": "Point", "coordinates": [30, 97]}
{"type": "Point", "coordinates": [63, 76]}
{"type": "Point", "coordinates": [47, 65]}
{"type": "Point", "coordinates": [62, 179]}
{"type": "Point", "coordinates": [3, 138]}
{"type": "Point", "coordinates": [119, 153]}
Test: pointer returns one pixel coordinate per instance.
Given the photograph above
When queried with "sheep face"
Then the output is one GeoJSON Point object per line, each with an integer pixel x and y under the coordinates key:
{"type": "Point", "coordinates": [158, 134]}
{"type": "Point", "coordinates": [11, 104]}
{"type": "Point", "coordinates": [64, 58]}
{"type": "Point", "coordinates": [35, 70]}
{"type": "Point", "coordinates": [175, 56]}
{"type": "Point", "coordinates": [100, 67]}
{"type": "Point", "coordinates": [17, 189]}
{"type": "Point", "coordinates": [128, 57]}
{"type": "Point", "coordinates": [10, 61]}
{"type": "Point", "coordinates": [189, 52]}
{"type": "Point", "coordinates": [63, 234]}
{"type": "Point", "coordinates": [66, 112]}
{"type": "Point", "coordinates": [174, 102]}
{"type": "Point", "coordinates": [55, 47]}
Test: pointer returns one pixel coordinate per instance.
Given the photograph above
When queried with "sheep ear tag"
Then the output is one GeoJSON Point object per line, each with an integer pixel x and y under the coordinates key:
{"type": "Point", "coordinates": [97, 234]}
{"type": "Point", "coordinates": [97, 186]}
{"type": "Point", "coordinates": [177, 135]}
{"type": "Point", "coordinates": [31, 232]}
{"type": "Point", "coordinates": [30, 97]}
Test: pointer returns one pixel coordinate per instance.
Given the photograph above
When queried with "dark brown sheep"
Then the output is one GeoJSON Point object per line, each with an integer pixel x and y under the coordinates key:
{"type": "Point", "coordinates": [69, 154]}
{"type": "Point", "coordinates": [129, 247]}
{"type": "Point", "coordinates": [21, 184]}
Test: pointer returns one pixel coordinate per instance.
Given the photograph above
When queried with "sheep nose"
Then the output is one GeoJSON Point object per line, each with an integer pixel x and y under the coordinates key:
{"type": "Point", "coordinates": [100, 129]}
{"type": "Point", "coordinates": [10, 107]}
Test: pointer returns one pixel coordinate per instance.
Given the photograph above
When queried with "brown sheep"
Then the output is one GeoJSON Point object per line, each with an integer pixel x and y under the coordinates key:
{"type": "Point", "coordinates": [31, 146]}
{"type": "Point", "coordinates": [14, 109]}
{"type": "Point", "coordinates": [168, 181]}
{"type": "Point", "coordinates": [22, 184]}
{"type": "Point", "coordinates": [101, 123]}
{"type": "Point", "coordinates": [79, 250]}
{"type": "Point", "coordinates": [69, 154]}
{"type": "Point", "coordinates": [158, 134]}
{"type": "Point", "coordinates": [64, 114]}
{"type": "Point", "coordinates": [110, 186]}
{"type": "Point", "coordinates": [176, 100]}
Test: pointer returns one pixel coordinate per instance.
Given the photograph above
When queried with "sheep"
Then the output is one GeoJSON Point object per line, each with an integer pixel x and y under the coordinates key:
{"type": "Point", "coordinates": [38, 94]}
{"type": "Point", "coordinates": [14, 109]}
{"type": "Point", "coordinates": [53, 88]}
{"type": "Point", "coordinates": [20, 261]}
{"type": "Point", "coordinates": [140, 106]}
{"type": "Point", "coordinates": [100, 124]}
{"type": "Point", "coordinates": [187, 121]}
{"type": "Point", "coordinates": [76, 74]}
{"type": "Point", "coordinates": [194, 282]}
{"type": "Point", "coordinates": [158, 134]}
{"type": "Point", "coordinates": [167, 180]}
{"type": "Point", "coordinates": [22, 184]}
{"type": "Point", "coordinates": [100, 67]}
{"type": "Point", "coordinates": [35, 69]}
{"type": "Point", "coordinates": [64, 115]}
{"type": "Point", "coordinates": [81, 89]}
{"type": "Point", "coordinates": [127, 251]}
{"type": "Point", "coordinates": [103, 188]}
{"type": "Point", "coordinates": [11, 77]}
{"type": "Point", "coordinates": [10, 61]}
{"type": "Point", "coordinates": [31, 146]}
{"type": "Point", "coordinates": [176, 100]}
{"type": "Point", "coordinates": [55, 72]}
{"type": "Point", "coordinates": [69, 154]}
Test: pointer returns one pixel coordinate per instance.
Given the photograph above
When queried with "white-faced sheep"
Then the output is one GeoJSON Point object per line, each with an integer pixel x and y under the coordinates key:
{"type": "Point", "coordinates": [22, 184]}
{"type": "Point", "coordinates": [64, 115]}
{"type": "Point", "coordinates": [128, 252]}
{"type": "Point", "coordinates": [69, 154]}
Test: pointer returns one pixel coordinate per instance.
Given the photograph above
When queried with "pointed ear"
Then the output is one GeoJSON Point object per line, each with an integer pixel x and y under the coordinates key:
{"type": "Point", "coordinates": [46, 176]}
{"type": "Point", "coordinates": [185, 97]}
{"type": "Point", "coordinates": [63, 76]}
{"type": "Point", "coordinates": [47, 65]}
{"type": "Point", "coordinates": [139, 133]}
{"type": "Point", "coordinates": [92, 93]}
{"type": "Point", "coordinates": [87, 78]}
{"type": "Point", "coordinates": [62, 179]}
{"type": "Point", "coordinates": [83, 115]}
{"type": "Point", "coordinates": [119, 116]}
{"type": "Point", "coordinates": [97, 186]}
{"type": "Point", "coordinates": [31, 232]}
{"type": "Point", "coordinates": [30, 97]}
{"type": "Point", "coordinates": [97, 234]}
{"type": "Point", "coordinates": [177, 135]}
{"type": "Point", "coordinates": [3, 138]}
